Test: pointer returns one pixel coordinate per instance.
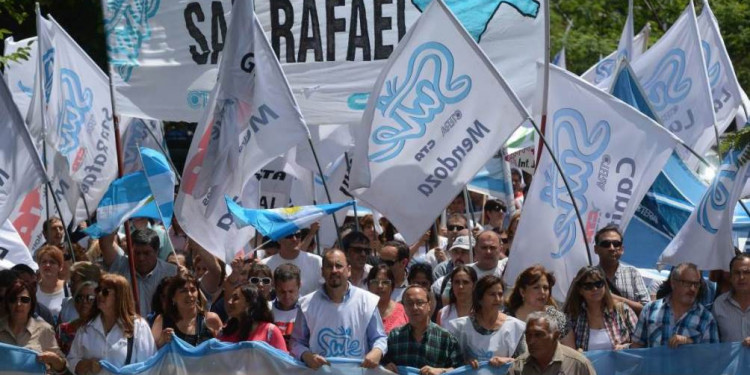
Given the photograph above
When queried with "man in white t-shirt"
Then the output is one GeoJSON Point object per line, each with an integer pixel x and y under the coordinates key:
{"type": "Point", "coordinates": [309, 264]}
{"type": "Point", "coordinates": [488, 253]}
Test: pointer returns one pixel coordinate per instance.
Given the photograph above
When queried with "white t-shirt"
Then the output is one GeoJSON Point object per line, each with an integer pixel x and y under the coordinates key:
{"type": "Point", "coordinates": [52, 301]}
{"type": "Point", "coordinates": [310, 269]}
{"type": "Point", "coordinates": [599, 340]}
{"type": "Point", "coordinates": [497, 271]}
{"type": "Point", "coordinates": [500, 343]}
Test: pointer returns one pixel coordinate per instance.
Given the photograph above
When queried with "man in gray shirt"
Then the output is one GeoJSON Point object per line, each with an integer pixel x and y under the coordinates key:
{"type": "Point", "coordinates": [732, 309]}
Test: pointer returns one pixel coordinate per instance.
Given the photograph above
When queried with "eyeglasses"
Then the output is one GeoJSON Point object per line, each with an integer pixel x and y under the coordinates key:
{"type": "Point", "coordinates": [90, 298]}
{"type": "Point", "coordinates": [456, 228]}
{"type": "Point", "coordinates": [103, 291]}
{"type": "Point", "coordinates": [592, 285]}
{"type": "Point", "coordinates": [22, 300]}
{"type": "Point", "coordinates": [418, 303]}
{"type": "Point", "coordinates": [689, 284]}
{"type": "Point", "coordinates": [258, 280]}
{"type": "Point", "coordinates": [293, 235]}
{"type": "Point", "coordinates": [607, 244]}
{"type": "Point", "coordinates": [375, 282]}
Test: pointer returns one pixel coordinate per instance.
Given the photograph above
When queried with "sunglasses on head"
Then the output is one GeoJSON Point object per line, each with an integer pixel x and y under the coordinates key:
{"type": "Point", "coordinates": [258, 280]}
{"type": "Point", "coordinates": [103, 291]}
{"type": "Point", "coordinates": [86, 298]}
{"type": "Point", "coordinates": [607, 244]}
{"type": "Point", "coordinates": [456, 228]}
{"type": "Point", "coordinates": [592, 285]}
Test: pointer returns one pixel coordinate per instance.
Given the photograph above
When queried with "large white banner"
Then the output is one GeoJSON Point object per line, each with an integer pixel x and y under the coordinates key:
{"type": "Point", "coordinates": [609, 153]}
{"type": "Point", "coordinates": [12, 247]}
{"type": "Point", "coordinates": [706, 238]}
{"type": "Point", "coordinates": [19, 75]}
{"type": "Point", "coordinates": [440, 112]}
{"type": "Point", "coordinates": [673, 76]}
{"type": "Point", "coordinates": [165, 53]}
{"type": "Point", "coordinates": [252, 120]}
{"type": "Point", "coordinates": [80, 130]}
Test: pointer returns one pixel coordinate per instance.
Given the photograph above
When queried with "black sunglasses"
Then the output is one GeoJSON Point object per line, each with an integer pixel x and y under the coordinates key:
{"type": "Point", "coordinates": [23, 299]}
{"type": "Point", "coordinates": [607, 244]}
{"type": "Point", "coordinates": [258, 280]}
{"type": "Point", "coordinates": [293, 235]}
{"type": "Point", "coordinates": [592, 285]}
{"type": "Point", "coordinates": [86, 298]}
{"type": "Point", "coordinates": [103, 291]}
{"type": "Point", "coordinates": [456, 228]}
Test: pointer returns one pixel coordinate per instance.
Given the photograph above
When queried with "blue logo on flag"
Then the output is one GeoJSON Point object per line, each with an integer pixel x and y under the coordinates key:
{"type": "Point", "coordinates": [713, 70]}
{"type": "Point", "coordinates": [667, 84]}
{"type": "Point", "coordinates": [577, 162]}
{"type": "Point", "coordinates": [429, 85]}
{"type": "Point", "coordinates": [717, 195]}
{"type": "Point", "coordinates": [127, 28]}
{"type": "Point", "coordinates": [25, 89]}
{"type": "Point", "coordinates": [339, 343]}
{"type": "Point", "coordinates": [604, 70]}
{"type": "Point", "coordinates": [48, 61]}
{"type": "Point", "coordinates": [72, 116]}
{"type": "Point", "coordinates": [475, 15]}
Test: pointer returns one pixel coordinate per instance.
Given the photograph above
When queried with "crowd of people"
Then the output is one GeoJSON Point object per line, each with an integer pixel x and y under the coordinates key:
{"type": "Point", "coordinates": [435, 305]}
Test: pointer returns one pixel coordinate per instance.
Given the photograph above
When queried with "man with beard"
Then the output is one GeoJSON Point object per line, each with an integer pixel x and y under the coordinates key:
{"type": "Point", "coordinates": [338, 320]}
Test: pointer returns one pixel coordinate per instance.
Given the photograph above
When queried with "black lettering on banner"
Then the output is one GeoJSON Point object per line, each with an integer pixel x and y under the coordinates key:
{"type": "Point", "coordinates": [193, 13]}
{"type": "Point", "coordinates": [358, 21]}
{"type": "Point", "coordinates": [227, 220]}
{"type": "Point", "coordinates": [282, 30]}
{"type": "Point", "coordinates": [264, 202]}
{"type": "Point", "coordinates": [401, 18]}
{"type": "Point", "coordinates": [307, 42]}
{"type": "Point", "coordinates": [218, 30]}
{"type": "Point", "coordinates": [248, 63]}
{"type": "Point", "coordinates": [333, 25]}
{"type": "Point", "coordinates": [381, 23]}
{"type": "Point", "coordinates": [4, 176]}
{"type": "Point", "coordinates": [3, 252]}
{"type": "Point", "coordinates": [60, 193]}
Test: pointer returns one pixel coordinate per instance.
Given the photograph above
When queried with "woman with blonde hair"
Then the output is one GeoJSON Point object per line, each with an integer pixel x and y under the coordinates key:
{"type": "Point", "coordinates": [598, 322]}
{"type": "Point", "coordinates": [114, 332]}
{"type": "Point", "coordinates": [533, 292]}
{"type": "Point", "coordinates": [185, 317]}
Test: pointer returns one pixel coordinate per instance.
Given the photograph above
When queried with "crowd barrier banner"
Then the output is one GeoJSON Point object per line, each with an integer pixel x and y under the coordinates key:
{"type": "Point", "coordinates": [258, 358]}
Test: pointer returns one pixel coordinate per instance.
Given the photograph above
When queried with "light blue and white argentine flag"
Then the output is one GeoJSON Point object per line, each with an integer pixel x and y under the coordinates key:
{"type": "Point", "coordinates": [706, 238]}
{"type": "Point", "coordinates": [161, 180]}
{"type": "Point", "coordinates": [609, 153]}
{"type": "Point", "coordinates": [438, 112]}
{"type": "Point", "coordinates": [280, 222]}
{"type": "Point", "coordinates": [19, 361]}
{"type": "Point", "coordinates": [125, 196]}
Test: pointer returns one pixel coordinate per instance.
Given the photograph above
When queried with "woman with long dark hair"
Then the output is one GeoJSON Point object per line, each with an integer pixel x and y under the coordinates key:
{"type": "Point", "coordinates": [185, 317]}
{"type": "Point", "coordinates": [380, 281]}
{"type": "Point", "coordinates": [250, 319]}
{"type": "Point", "coordinates": [462, 280]}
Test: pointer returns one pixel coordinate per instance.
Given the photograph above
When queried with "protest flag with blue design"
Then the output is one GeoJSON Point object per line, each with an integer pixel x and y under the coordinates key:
{"type": "Point", "coordinates": [437, 113]}
{"type": "Point", "coordinates": [280, 222]}
{"type": "Point", "coordinates": [706, 238]}
{"type": "Point", "coordinates": [629, 47]}
{"type": "Point", "coordinates": [609, 153]}
{"type": "Point", "coordinates": [125, 196]}
{"type": "Point", "coordinates": [627, 88]}
{"type": "Point", "coordinates": [161, 180]}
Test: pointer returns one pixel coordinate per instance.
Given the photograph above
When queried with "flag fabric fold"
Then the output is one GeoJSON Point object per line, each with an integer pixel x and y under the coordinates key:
{"type": "Point", "coordinates": [280, 222]}
{"type": "Point", "coordinates": [161, 181]}
{"type": "Point", "coordinates": [125, 196]}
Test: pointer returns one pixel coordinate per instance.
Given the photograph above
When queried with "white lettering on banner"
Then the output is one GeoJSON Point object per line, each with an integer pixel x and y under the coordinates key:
{"type": "Point", "coordinates": [448, 164]}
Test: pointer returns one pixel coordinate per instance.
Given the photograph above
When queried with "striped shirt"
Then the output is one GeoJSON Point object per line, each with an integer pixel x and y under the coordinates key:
{"type": "Point", "coordinates": [619, 324]}
{"type": "Point", "coordinates": [657, 324]}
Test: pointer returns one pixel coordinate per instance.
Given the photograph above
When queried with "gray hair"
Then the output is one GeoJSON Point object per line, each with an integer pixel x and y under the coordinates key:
{"type": "Point", "coordinates": [539, 315]}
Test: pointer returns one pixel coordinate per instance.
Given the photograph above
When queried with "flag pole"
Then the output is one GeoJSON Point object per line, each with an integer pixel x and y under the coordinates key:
{"type": "Point", "coordinates": [356, 217]}
{"type": "Point", "coordinates": [470, 222]}
{"type": "Point", "coordinates": [120, 170]}
{"type": "Point", "coordinates": [325, 186]}
{"type": "Point", "coordinates": [545, 87]}
{"type": "Point", "coordinates": [40, 80]}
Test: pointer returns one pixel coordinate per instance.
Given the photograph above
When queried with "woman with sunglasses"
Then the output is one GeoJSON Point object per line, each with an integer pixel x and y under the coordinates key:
{"type": "Point", "coordinates": [488, 334]}
{"type": "Point", "coordinates": [598, 322]}
{"type": "Point", "coordinates": [261, 276]}
{"type": "Point", "coordinates": [462, 280]}
{"type": "Point", "coordinates": [84, 301]}
{"type": "Point", "coordinates": [20, 328]}
{"type": "Point", "coordinates": [533, 292]}
{"type": "Point", "coordinates": [380, 281]}
{"type": "Point", "coordinates": [185, 315]}
{"type": "Point", "coordinates": [51, 290]}
{"type": "Point", "coordinates": [250, 319]}
{"type": "Point", "coordinates": [114, 332]}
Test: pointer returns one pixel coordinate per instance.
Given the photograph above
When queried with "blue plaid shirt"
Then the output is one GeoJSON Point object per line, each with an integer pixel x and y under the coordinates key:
{"type": "Point", "coordinates": [657, 324]}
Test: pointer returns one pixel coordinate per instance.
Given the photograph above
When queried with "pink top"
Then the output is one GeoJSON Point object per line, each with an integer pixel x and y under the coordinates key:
{"type": "Point", "coordinates": [263, 332]}
{"type": "Point", "coordinates": [396, 319]}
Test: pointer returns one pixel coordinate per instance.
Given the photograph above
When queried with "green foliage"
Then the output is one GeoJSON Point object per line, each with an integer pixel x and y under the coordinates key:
{"type": "Point", "coordinates": [735, 140]}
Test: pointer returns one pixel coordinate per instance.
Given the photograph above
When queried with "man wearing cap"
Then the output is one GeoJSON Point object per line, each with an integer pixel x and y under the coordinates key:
{"type": "Point", "coordinates": [456, 228]}
{"type": "Point", "coordinates": [460, 255]}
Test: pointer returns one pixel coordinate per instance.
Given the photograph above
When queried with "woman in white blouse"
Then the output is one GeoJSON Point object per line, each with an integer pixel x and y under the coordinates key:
{"type": "Point", "coordinates": [114, 332]}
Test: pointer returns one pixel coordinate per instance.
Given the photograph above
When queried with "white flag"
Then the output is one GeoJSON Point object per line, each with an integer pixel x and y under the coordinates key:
{"type": "Point", "coordinates": [725, 90]}
{"type": "Point", "coordinates": [80, 130]}
{"type": "Point", "coordinates": [605, 67]}
{"type": "Point", "coordinates": [438, 112]}
{"type": "Point", "coordinates": [673, 76]}
{"type": "Point", "coordinates": [610, 154]}
{"type": "Point", "coordinates": [19, 75]}
{"type": "Point", "coordinates": [134, 133]}
{"type": "Point", "coordinates": [625, 46]}
{"type": "Point", "coordinates": [37, 106]}
{"type": "Point", "coordinates": [12, 247]}
{"type": "Point", "coordinates": [20, 167]}
{"type": "Point", "coordinates": [706, 238]}
{"type": "Point", "coordinates": [29, 215]}
{"type": "Point", "coordinates": [253, 119]}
